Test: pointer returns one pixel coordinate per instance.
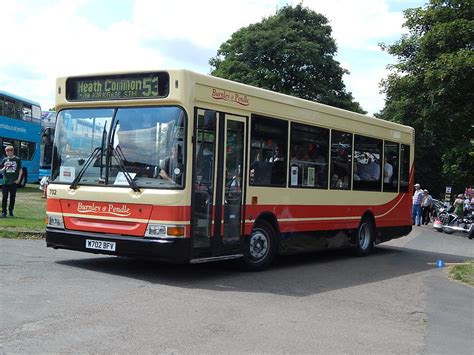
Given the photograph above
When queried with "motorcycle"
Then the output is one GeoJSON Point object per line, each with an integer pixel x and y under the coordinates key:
{"type": "Point", "coordinates": [438, 224]}
{"type": "Point", "coordinates": [452, 223]}
{"type": "Point", "coordinates": [441, 213]}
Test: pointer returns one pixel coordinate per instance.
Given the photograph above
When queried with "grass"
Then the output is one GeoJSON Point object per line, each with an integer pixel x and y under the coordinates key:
{"type": "Point", "coordinates": [463, 273]}
{"type": "Point", "coordinates": [30, 215]}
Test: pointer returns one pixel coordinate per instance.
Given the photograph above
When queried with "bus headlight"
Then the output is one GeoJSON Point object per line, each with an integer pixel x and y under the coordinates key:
{"type": "Point", "coordinates": [55, 221]}
{"type": "Point", "coordinates": [165, 231]}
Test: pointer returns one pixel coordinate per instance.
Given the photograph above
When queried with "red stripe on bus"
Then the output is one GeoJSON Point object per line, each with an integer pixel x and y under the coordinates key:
{"type": "Point", "coordinates": [305, 226]}
{"type": "Point", "coordinates": [326, 211]}
{"type": "Point", "coordinates": [105, 226]}
{"type": "Point", "coordinates": [171, 213]}
{"type": "Point", "coordinates": [106, 209]}
{"type": "Point", "coordinates": [53, 205]}
{"type": "Point", "coordinates": [393, 213]}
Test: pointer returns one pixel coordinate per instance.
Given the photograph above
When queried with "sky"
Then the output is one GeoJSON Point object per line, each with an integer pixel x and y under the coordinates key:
{"type": "Point", "coordinates": [46, 39]}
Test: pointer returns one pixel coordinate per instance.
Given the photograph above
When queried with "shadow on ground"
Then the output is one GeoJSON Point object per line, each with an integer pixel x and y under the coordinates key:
{"type": "Point", "coordinates": [299, 275]}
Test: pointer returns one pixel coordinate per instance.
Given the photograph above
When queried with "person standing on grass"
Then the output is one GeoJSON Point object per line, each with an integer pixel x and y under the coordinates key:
{"type": "Point", "coordinates": [10, 167]}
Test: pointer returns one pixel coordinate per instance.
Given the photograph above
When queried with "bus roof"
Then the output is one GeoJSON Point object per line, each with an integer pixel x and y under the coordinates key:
{"type": "Point", "coordinates": [296, 101]}
{"type": "Point", "coordinates": [16, 97]}
{"type": "Point", "coordinates": [270, 96]}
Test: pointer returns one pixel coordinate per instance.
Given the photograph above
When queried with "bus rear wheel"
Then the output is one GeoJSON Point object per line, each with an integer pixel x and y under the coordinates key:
{"type": "Point", "coordinates": [365, 237]}
{"type": "Point", "coordinates": [260, 247]}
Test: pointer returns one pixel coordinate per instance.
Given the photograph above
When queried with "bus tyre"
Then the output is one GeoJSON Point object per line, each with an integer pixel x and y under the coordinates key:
{"type": "Point", "coordinates": [260, 247]}
{"type": "Point", "coordinates": [365, 237]}
{"type": "Point", "coordinates": [24, 179]}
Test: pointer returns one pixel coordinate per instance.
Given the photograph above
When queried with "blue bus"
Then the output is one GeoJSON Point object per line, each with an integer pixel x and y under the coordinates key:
{"type": "Point", "coordinates": [48, 123]}
{"type": "Point", "coordinates": [20, 126]}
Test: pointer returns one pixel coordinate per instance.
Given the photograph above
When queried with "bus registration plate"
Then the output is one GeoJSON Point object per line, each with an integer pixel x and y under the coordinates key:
{"type": "Point", "coordinates": [100, 245]}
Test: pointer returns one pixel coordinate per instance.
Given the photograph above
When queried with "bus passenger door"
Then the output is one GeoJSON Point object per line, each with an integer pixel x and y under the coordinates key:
{"type": "Point", "coordinates": [232, 176]}
{"type": "Point", "coordinates": [218, 180]}
{"type": "Point", "coordinates": [202, 204]}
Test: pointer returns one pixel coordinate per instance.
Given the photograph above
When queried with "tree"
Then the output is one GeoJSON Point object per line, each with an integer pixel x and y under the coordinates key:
{"type": "Point", "coordinates": [291, 52]}
{"type": "Point", "coordinates": [431, 89]}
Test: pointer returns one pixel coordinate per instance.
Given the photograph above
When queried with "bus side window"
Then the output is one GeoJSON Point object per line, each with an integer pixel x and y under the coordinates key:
{"type": "Point", "coordinates": [278, 173]}
{"type": "Point", "coordinates": [341, 160]}
{"type": "Point", "coordinates": [269, 151]}
{"type": "Point", "coordinates": [309, 156]}
{"type": "Point", "coordinates": [404, 167]}
{"type": "Point", "coordinates": [367, 164]}
{"type": "Point", "coordinates": [390, 166]}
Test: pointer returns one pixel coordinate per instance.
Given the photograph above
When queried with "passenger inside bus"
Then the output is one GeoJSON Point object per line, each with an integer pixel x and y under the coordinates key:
{"type": "Point", "coordinates": [172, 167]}
{"type": "Point", "coordinates": [277, 155]}
{"type": "Point", "coordinates": [387, 171]}
{"type": "Point", "coordinates": [260, 171]}
{"type": "Point", "coordinates": [369, 171]}
{"type": "Point", "coordinates": [340, 178]}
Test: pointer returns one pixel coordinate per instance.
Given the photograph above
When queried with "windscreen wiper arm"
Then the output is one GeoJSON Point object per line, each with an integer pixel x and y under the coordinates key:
{"type": "Point", "coordinates": [102, 145]}
{"type": "Point", "coordinates": [120, 158]}
{"type": "Point", "coordinates": [94, 155]}
{"type": "Point", "coordinates": [117, 152]}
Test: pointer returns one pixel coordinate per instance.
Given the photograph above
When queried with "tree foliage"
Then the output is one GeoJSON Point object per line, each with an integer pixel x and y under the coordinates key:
{"type": "Point", "coordinates": [291, 52]}
{"type": "Point", "coordinates": [431, 89]}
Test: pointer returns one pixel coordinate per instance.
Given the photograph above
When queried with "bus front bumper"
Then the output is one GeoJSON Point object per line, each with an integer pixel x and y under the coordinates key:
{"type": "Point", "coordinates": [176, 250]}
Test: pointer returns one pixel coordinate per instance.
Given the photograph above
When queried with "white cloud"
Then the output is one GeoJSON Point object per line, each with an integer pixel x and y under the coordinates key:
{"type": "Point", "coordinates": [358, 27]}
{"type": "Point", "coordinates": [365, 88]}
{"type": "Point", "coordinates": [206, 23]}
{"type": "Point", "coordinates": [56, 40]}
{"type": "Point", "coordinates": [358, 24]}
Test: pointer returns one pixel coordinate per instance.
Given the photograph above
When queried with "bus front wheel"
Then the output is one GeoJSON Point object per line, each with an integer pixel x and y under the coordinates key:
{"type": "Point", "coordinates": [260, 247]}
{"type": "Point", "coordinates": [365, 237]}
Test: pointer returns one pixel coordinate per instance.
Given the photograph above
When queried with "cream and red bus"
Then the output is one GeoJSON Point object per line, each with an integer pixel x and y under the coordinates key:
{"type": "Point", "coordinates": [185, 167]}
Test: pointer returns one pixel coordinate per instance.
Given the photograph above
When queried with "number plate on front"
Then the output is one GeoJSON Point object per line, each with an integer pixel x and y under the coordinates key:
{"type": "Point", "coordinates": [100, 245]}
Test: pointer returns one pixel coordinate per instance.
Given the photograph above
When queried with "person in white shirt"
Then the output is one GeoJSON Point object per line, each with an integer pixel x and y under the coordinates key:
{"type": "Point", "coordinates": [416, 207]}
{"type": "Point", "coordinates": [426, 202]}
{"type": "Point", "coordinates": [387, 171]}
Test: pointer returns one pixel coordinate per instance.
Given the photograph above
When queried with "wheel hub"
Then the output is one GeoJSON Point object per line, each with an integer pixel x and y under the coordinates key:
{"type": "Point", "coordinates": [364, 236]}
{"type": "Point", "coordinates": [258, 245]}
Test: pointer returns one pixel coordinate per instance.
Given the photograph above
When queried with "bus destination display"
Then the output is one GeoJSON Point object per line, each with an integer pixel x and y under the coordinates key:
{"type": "Point", "coordinates": [116, 87]}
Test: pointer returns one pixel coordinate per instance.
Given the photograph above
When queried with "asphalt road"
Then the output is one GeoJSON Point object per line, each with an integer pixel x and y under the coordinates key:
{"type": "Point", "coordinates": [394, 301]}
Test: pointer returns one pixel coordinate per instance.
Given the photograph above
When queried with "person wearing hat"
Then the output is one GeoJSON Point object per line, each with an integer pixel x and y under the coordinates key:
{"type": "Point", "coordinates": [426, 207]}
{"type": "Point", "coordinates": [416, 208]}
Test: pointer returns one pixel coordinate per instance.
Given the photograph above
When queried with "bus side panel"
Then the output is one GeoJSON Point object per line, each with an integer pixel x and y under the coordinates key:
{"type": "Point", "coordinates": [25, 137]}
{"type": "Point", "coordinates": [317, 227]}
{"type": "Point", "coordinates": [302, 218]}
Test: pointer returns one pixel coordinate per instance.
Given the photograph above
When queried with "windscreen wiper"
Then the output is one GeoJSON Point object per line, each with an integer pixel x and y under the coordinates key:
{"type": "Point", "coordinates": [95, 153]}
{"type": "Point", "coordinates": [120, 158]}
{"type": "Point", "coordinates": [93, 156]}
{"type": "Point", "coordinates": [104, 137]}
